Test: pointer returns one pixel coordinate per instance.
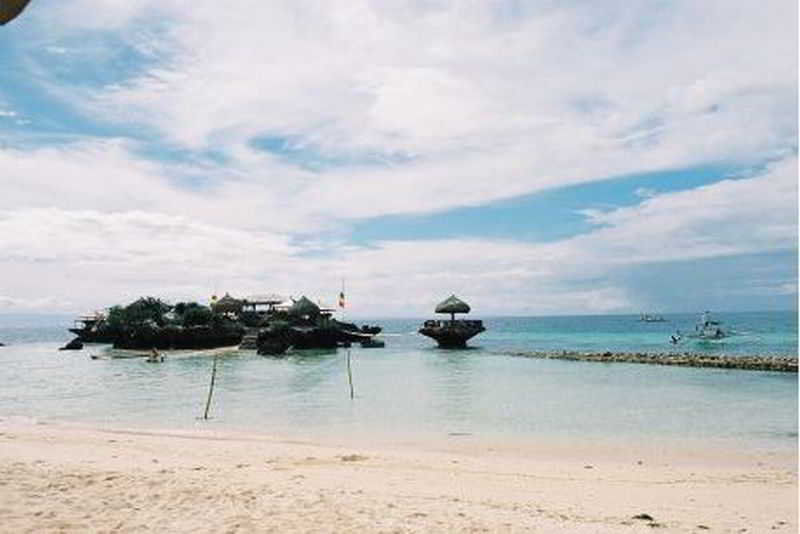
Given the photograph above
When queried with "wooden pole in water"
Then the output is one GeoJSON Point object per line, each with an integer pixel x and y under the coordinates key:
{"type": "Point", "coordinates": [350, 375]}
{"type": "Point", "coordinates": [211, 387]}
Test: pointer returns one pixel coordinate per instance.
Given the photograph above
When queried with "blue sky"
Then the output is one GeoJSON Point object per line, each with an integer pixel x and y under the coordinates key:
{"type": "Point", "coordinates": [536, 158]}
{"type": "Point", "coordinates": [545, 216]}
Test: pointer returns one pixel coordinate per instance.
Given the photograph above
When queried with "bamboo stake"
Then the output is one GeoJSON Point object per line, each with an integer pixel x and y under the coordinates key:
{"type": "Point", "coordinates": [211, 387]}
{"type": "Point", "coordinates": [350, 375]}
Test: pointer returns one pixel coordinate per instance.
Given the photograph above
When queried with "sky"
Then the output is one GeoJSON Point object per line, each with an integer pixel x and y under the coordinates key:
{"type": "Point", "coordinates": [532, 157]}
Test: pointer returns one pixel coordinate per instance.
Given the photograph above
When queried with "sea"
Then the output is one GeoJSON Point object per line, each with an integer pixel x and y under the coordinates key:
{"type": "Point", "coordinates": [411, 388]}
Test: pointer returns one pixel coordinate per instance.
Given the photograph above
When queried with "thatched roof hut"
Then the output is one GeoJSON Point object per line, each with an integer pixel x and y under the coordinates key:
{"type": "Point", "coordinates": [452, 304]}
{"type": "Point", "coordinates": [303, 306]}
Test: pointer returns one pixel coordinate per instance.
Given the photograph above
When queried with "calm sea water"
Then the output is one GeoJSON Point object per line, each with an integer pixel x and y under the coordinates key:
{"type": "Point", "coordinates": [412, 388]}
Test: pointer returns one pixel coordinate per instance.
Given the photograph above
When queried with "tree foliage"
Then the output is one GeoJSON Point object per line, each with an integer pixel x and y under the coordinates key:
{"type": "Point", "coordinates": [193, 314]}
{"type": "Point", "coordinates": [146, 311]}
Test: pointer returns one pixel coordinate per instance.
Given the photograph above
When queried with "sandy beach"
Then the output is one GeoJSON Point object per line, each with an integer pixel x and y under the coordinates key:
{"type": "Point", "coordinates": [67, 478]}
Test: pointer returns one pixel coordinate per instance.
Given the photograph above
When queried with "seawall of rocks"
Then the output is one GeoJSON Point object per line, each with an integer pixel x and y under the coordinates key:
{"type": "Point", "coordinates": [785, 364]}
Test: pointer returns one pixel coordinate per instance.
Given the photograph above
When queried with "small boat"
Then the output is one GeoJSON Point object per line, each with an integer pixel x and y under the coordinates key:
{"type": "Point", "coordinates": [453, 333]}
{"type": "Point", "coordinates": [706, 329]}
{"type": "Point", "coordinates": [372, 343]}
{"type": "Point", "coordinates": [649, 318]}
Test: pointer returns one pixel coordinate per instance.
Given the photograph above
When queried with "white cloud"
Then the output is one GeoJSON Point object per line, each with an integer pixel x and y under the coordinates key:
{"type": "Point", "coordinates": [109, 176]}
{"type": "Point", "coordinates": [94, 258]}
{"type": "Point", "coordinates": [38, 304]}
{"type": "Point", "coordinates": [723, 219]}
{"type": "Point", "coordinates": [490, 105]}
{"type": "Point", "coordinates": [482, 101]}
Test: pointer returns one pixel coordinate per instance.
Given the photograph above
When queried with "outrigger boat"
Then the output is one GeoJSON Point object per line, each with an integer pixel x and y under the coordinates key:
{"type": "Point", "coordinates": [706, 329]}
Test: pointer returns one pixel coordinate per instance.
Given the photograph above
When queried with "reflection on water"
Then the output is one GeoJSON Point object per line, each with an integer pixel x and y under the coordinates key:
{"type": "Point", "coordinates": [451, 373]}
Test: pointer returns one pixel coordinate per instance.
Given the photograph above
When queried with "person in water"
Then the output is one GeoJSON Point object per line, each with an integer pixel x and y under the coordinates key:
{"type": "Point", "coordinates": [155, 356]}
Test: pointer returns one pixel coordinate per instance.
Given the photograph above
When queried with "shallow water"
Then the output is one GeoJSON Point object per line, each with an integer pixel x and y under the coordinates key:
{"type": "Point", "coordinates": [412, 388]}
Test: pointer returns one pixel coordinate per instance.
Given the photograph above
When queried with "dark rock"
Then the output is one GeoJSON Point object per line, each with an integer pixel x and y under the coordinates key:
{"type": "Point", "coordinates": [315, 337]}
{"type": "Point", "coordinates": [274, 340]}
{"type": "Point", "coordinates": [452, 334]}
{"type": "Point", "coordinates": [273, 347]}
{"type": "Point", "coordinates": [75, 344]}
{"type": "Point", "coordinates": [280, 335]}
{"type": "Point", "coordinates": [148, 336]}
{"type": "Point", "coordinates": [371, 329]}
{"type": "Point", "coordinates": [644, 517]}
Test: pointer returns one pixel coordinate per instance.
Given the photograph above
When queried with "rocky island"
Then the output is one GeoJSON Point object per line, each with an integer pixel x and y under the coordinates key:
{"type": "Point", "coordinates": [262, 324]}
{"type": "Point", "coordinates": [455, 333]}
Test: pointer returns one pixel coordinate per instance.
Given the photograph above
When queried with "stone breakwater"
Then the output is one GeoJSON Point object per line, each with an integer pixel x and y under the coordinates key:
{"type": "Point", "coordinates": [785, 364]}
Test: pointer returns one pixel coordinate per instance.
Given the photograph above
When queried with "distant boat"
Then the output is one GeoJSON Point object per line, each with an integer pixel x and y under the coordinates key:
{"type": "Point", "coordinates": [649, 318]}
{"type": "Point", "coordinates": [706, 329]}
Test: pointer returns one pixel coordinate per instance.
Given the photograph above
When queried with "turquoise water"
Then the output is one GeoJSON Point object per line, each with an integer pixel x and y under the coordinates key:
{"type": "Point", "coordinates": [753, 333]}
{"type": "Point", "coordinates": [412, 388]}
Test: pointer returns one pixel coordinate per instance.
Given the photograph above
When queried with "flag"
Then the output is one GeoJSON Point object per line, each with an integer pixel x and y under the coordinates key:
{"type": "Point", "coordinates": [341, 299]}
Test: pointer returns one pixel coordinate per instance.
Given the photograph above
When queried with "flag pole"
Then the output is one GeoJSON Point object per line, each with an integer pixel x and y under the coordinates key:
{"type": "Point", "coordinates": [350, 376]}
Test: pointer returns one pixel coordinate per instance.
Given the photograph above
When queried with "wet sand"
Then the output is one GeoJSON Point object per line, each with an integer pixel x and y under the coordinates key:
{"type": "Point", "coordinates": [66, 478]}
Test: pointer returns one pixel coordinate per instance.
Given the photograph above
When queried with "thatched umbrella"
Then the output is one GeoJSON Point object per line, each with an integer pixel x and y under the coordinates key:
{"type": "Point", "coordinates": [304, 306]}
{"type": "Point", "coordinates": [227, 304]}
{"type": "Point", "coordinates": [9, 9]}
{"type": "Point", "coordinates": [452, 305]}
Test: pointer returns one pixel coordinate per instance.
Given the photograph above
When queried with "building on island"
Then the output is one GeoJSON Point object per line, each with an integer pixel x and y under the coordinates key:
{"type": "Point", "coordinates": [455, 332]}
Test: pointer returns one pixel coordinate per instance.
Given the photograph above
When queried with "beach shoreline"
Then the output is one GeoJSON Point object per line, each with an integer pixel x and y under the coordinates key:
{"type": "Point", "coordinates": [83, 478]}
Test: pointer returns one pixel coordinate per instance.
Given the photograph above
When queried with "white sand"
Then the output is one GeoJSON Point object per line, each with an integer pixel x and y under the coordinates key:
{"type": "Point", "coordinates": [59, 478]}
